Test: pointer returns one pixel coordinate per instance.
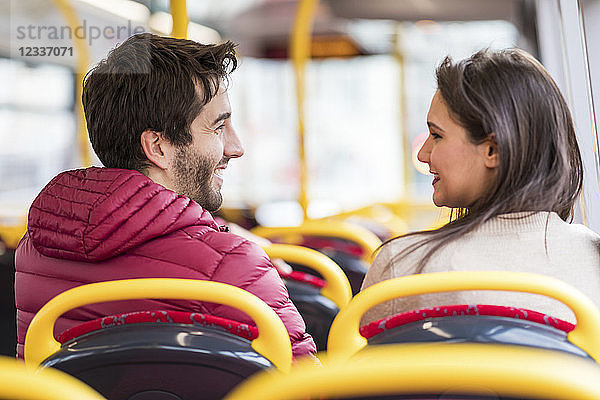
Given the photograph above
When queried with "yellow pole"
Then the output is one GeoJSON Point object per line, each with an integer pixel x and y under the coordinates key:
{"type": "Point", "coordinates": [398, 53]}
{"type": "Point", "coordinates": [300, 52]}
{"type": "Point", "coordinates": [82, 63]}
{"type": "Point", "coordinates": [180, 19]}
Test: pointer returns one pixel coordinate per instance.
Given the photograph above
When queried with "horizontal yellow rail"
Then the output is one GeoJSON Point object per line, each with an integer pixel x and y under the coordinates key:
{"type": "Point", "coordinates": [273, 341]}
{"type": "Point", "coordinates": [379, 214]}
{"type": "Point", "coordinates": [430, 368]}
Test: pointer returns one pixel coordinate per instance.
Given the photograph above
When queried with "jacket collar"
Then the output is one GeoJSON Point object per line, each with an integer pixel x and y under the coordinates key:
{"type": "Point", "coordinates": [96, 213]}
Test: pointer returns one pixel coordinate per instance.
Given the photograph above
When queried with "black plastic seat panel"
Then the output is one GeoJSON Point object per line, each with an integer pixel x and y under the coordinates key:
{"type": "Point", "coordinates": [317, 311]}
{"type": "Point", "coordinates": [480, 329]}
{"type": "Point", "coordinates": [171, 361]}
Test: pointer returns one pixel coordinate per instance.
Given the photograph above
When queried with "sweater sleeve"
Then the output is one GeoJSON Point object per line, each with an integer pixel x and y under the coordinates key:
{"type": "Point", "coordinates": [248, 267]}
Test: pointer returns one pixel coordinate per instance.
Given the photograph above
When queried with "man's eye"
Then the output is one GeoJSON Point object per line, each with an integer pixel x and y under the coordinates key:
{"type": "Point", "coordinates": [219, 129]}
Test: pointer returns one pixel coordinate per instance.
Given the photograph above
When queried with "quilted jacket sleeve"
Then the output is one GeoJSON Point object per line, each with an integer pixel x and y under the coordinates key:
{"type": "Point", "coordinates": [248, 267]}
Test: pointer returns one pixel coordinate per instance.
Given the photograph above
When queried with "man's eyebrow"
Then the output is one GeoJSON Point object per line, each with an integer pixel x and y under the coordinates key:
{"type": "Point", "coordinates": [432, 125]}
{"type": "Point", "coordinates": [222, 117]}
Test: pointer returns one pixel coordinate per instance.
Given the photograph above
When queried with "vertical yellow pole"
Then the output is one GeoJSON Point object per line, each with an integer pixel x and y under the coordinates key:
{"type": "Point", "coordinates": [82, 63]}
{"type": "Point", "coordinates": [300, 40]}
{"type": "Point", "coordinates": [180, 19]}
{"type": "Point", "coordinates": [398, 53]}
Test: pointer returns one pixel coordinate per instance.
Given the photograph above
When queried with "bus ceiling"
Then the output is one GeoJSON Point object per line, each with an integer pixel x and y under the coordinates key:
{"type": "Point", "coordinates": [263, 28]}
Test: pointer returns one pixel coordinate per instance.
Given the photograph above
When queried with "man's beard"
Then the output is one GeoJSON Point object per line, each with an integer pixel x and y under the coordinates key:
{"type": "Point", "coordinates": [193, 177]}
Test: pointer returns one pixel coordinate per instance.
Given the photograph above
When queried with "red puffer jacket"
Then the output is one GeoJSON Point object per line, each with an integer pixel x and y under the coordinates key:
{"type": "Point", "coordinates": [101, 224]}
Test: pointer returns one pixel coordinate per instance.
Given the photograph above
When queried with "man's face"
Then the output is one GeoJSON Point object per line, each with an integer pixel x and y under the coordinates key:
{"type": "Point", "coordinates": [198, 167]}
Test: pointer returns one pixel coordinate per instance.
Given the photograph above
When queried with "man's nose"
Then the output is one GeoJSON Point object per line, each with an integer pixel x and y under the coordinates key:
{"type": "Point", "coordinates": [233, 146]}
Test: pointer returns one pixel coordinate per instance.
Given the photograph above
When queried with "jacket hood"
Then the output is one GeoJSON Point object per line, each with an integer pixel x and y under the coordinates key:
{"type": "Point", "coordinates": [97, 213]}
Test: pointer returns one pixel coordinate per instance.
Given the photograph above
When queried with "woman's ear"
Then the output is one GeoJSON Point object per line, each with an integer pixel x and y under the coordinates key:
{"type": "Point", "coordinates": [154, 145]}
{"type": "Point", "coordinates": [491, 149]}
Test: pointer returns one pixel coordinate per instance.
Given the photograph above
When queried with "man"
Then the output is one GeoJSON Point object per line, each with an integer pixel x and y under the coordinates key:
{"type": "Point", "coordinates": [159, 119]}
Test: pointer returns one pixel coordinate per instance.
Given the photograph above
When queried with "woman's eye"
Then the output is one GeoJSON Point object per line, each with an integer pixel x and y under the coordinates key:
{"type": "Point", "coordinates": [435, 135]}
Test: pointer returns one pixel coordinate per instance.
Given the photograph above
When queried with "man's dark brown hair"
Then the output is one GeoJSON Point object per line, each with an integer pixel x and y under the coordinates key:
{"type": "Point", "coordinates": [149, 83]}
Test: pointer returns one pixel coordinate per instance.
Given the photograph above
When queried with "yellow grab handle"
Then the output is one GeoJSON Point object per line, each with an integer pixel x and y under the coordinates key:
{"type": "Point", "coordinates": [19, 382]}
{"type": "Point", "coordinates": [273, 341]}
{"type": "Point", "coordinates": [366, 239]}
{"type": "Point", "coordinates": [345, 340]}
{"type": "Point", "coordinates": [433, 368]}
{"type": "Point", "coordinates": [338, 288]}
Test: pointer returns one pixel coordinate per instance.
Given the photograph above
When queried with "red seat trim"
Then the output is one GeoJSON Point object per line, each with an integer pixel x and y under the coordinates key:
{"type": "Point", "coordinates": [324, 243]}
{"type": "Point", "coordinates": [376, 327]}
{"type": "Point", "coordinates": [306, 278]}
{"type": "Point", "coordinates": [237, 328]}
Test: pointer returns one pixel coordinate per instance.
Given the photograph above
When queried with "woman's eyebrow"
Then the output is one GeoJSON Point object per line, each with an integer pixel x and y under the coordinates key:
{"type": "Point", "coordinates": [432, 125]}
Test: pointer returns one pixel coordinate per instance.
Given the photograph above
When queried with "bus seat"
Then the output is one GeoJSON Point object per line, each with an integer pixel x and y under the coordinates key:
{"type": "Point", "coordinates": [317, 310]}
{"type": "Point", "coordinates": [433, 371]}
{"type": "Point", "coordinates": [317, 300]}
{"type": "Point", "coordinates": [344, 253]}
{"type": "Point", "coordinates": [19, 382]}
{"type": "Point", "coordinates": [350, 245]}
{"type": "Point", "coordinates": [526, 327]}
{"type": "Point", "coordinates": [154, 355]}
{"type": "Point", "coordinates": [347, 255]}
{"type": "Point", "coordinates": [474, 323]}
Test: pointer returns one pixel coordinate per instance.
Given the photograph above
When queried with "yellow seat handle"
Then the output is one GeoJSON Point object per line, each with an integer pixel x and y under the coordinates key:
{"type": "Point", "coordinates": [367, 240]}
{"type": "Point", "coordinates": [338, 288]}
{"type": "Point", "coordinates": [19, 382]}
{"type": "Point", "coordinates": [429, 368]}
{"type": "Point", "coordinates": [273, 341]}
{"type": "Point", "coordinates": [345, 340]}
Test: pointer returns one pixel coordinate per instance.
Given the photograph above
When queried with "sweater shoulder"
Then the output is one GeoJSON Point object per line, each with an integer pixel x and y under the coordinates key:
{"type": "Point", "coordinates": [578, 231]}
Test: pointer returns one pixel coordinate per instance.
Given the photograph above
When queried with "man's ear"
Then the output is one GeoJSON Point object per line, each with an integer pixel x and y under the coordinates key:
{"type": "Point", "coordinates": [154, 146]}
{"type": "Point", "coordinates": [491, 148]}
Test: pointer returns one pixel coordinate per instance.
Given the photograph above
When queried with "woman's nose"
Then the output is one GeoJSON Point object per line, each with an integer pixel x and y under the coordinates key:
{"type": "Point", "coordinates": [424, 152]}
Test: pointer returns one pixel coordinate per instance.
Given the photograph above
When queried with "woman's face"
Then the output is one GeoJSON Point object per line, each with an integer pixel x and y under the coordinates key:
{"type": "Point", "coordinates": [462, 171]}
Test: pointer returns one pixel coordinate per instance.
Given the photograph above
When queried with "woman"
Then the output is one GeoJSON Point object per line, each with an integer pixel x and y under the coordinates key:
{"type": "Point", "coordinates": [502, 150]}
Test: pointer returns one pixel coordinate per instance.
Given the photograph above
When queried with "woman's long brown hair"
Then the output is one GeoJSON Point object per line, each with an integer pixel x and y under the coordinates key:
{"type": "Point", "coordinates": [510, 94]}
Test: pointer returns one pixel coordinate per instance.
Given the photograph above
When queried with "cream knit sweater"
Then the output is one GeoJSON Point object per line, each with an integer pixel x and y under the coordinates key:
{"type": "Point", "coordinates": [541, 243]}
